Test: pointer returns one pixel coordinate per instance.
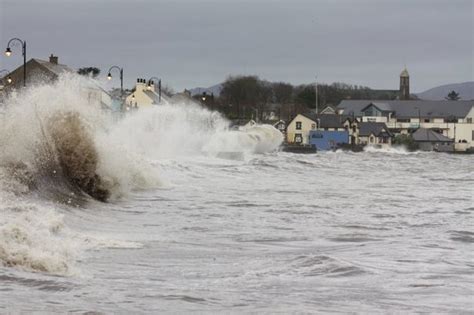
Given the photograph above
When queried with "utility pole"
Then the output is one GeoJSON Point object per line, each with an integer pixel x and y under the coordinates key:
{"type": "Point", "coordinates": [316, 94]}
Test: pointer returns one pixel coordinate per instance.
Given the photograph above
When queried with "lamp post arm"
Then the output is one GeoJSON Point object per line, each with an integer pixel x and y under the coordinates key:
{"type": "Point", "coordinates": [115, 67]}
{"type": "Point", "coordinates": [120, 70]}
{"type": "Point", "coordinates": [153, 78]}
{"type": "Point", "coordinates": [23, 44]}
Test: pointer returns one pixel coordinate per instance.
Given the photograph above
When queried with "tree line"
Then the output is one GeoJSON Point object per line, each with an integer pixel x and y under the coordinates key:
{"type": "Point", "coordinates": [249, 96]}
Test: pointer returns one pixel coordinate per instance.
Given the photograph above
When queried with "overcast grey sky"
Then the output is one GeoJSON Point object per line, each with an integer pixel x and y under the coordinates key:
{"type": "Point", "coordinates": [190, 43]}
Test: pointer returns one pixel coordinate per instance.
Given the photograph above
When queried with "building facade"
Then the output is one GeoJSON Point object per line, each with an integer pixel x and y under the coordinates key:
{"type": "Point", "coordinates": [46, 72]}
{"type": "Point", "coordinates": [38, 71]}
{"type": "Point", "coordinates": [328, 140]}
{"type": "Point", "coordinates": [144, 95]}
{"type": "Point", "coordinates": [453, 119]}
{"type": "Point", "coordinates": [299, 128]}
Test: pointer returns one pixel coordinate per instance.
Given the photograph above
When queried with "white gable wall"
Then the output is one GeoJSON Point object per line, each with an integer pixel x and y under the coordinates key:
{"type": "Point", "coordinates": [306, 126]}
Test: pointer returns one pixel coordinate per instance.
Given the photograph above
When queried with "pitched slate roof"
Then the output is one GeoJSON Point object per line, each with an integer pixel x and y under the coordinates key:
{"type": "Point", "coordinates": [407, 109]}
{"type": "Point", "coordinates": [428, 135]}
{"type": "Point", "coordinates": [56, 69]}
{"type": "Point", "coordinates": [375, 128]}
{"type": "Point", "coordinates": [329, 108]}
{"type": "Point", "coordinates": [384, 107]}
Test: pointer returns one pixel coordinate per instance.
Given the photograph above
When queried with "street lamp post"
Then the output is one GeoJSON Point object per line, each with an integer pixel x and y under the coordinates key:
{"type": "Point", "coordinates": [316, 93]}
{"type": "Point", "coordinates": [8, 53]}
{"type": "Point", "coordinates": [151, 82]}
{"type": "Point", "coordinates": [109, 77]}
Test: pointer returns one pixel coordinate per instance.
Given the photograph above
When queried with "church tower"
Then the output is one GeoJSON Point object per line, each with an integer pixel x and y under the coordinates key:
{"type": "Point", "coordinates": [404, 85]}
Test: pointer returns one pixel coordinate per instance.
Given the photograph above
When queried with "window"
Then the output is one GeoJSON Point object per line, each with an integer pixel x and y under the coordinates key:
{"type": "Point", "coordinates": [313, 126]}
{"type": "Point", "coordinates": [298, 125]}
{"type": "Point", "coordinates": [403, 120]}
{"type": "Point", "coordinates": [298, 138]}
{"type": "Point", "coordinates": [473, 135]}
{"type": "Point", "coordinates": [451, 120]}
{"type": "Point", "coordinates": [427, 120]}
{"type": "Point", "coordinates": [469, 120]}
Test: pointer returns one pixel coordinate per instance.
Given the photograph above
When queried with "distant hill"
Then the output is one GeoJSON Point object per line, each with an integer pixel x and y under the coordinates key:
{"type": "Point", "coordinates": [215, 89]}
{"type": "Point", "coordinates": [465, 90]}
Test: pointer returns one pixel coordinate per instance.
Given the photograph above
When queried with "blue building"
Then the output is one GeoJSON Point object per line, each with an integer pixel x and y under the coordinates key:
{"type": "Point", "coordinates": [327, 140]}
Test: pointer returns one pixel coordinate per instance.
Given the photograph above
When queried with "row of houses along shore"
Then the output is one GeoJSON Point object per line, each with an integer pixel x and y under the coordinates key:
{"type": "Point", "coordinates": [431, 125]}
{"type": "Point", "coordinates": [445, 126]}
{"type": "Point", "coordinates": [39, 71]}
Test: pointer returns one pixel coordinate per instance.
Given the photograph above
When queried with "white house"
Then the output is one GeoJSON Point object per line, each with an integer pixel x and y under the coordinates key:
{"type": "Point", "coordinates": [145, 95]}
{"type": "Point", "coordinates": [299, 127]}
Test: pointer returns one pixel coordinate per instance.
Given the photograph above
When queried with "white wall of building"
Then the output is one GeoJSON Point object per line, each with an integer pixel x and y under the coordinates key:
{"type": "Point", "coordinates": [139, 98]}
{"type": "Point", "coordinates": [375, 119]}
{"type": "Point", "coordinates": [306, 126]}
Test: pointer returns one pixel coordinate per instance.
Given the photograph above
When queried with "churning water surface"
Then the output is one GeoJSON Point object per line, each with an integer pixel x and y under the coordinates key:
{"type": "Point", "coordinates": [378, 231]}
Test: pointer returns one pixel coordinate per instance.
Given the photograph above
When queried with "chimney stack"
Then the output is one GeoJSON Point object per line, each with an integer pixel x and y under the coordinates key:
{"type": "Point", "coordinates": [53, 59]}
{"type": "Point", "coordinates": [141, 85]}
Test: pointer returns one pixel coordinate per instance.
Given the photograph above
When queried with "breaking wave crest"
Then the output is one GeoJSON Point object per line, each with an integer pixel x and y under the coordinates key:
{"type": "Point", "coordinates": [33, 237]}
{"type": "Point", "coordinates": [399, 150]}
{"type": "Point", "coordinates": [52, 145]}
{"type": "Point", "coordinates": [174, 130]}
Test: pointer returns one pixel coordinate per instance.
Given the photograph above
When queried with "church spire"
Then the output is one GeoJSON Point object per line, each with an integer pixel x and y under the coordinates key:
{"type": "Point", "coordinates": [404, 85]}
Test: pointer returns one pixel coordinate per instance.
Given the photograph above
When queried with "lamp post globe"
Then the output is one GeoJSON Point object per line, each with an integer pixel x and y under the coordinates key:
{"type": "Point", "coordinates": [8, 52]}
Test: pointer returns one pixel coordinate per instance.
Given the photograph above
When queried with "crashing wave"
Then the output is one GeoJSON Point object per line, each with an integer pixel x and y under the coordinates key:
{"type": "Point", "coordinates": [57, 147]}
{"type": "Point", "coordinates": [255, 139]}
{"type": "Point", "coordinates": [33, 237]}
{"type": "Point", "coordinates": [52, 145]}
